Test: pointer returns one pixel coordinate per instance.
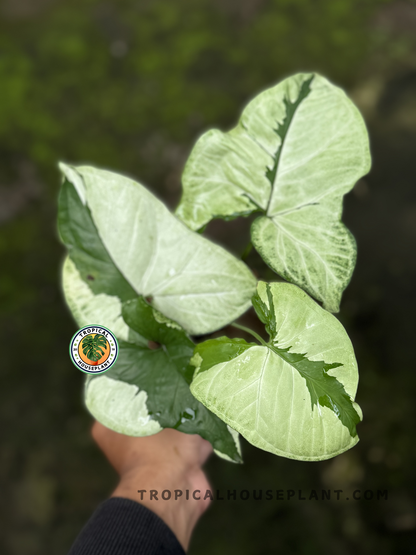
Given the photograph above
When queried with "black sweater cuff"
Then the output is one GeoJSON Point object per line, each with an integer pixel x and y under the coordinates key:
{"type": "Point", "coordinates": [124, 527]}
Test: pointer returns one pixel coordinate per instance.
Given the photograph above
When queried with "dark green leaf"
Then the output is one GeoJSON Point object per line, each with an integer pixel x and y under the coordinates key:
{"type": "Point", "coordinates": [213, 351]}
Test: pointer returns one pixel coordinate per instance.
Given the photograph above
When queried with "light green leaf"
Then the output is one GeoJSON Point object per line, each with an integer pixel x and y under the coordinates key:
{"type": "Point", "coordinates": [93, 287]}
{"type": "Point", "coordinates": [148, 390]}
{"type": "Point", "coordinates": [298, 148]}
{"type": "Point", "coordinates": [90, 308]}
{"type": "Point", "coordinates": [293, 396]}
{"type": "Point", "coordinates": [120, 406]}
{"type": "Point", "coordinates": [126, 240]}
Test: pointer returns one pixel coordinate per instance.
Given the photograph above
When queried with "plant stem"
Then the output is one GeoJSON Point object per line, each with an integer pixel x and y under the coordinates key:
{"type": "Point", "coordinates": [251, 332]}
{"type": "Point", "coordinates": [247, 250]}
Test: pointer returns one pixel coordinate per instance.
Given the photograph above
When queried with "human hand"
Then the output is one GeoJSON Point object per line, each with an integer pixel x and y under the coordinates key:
{"type": "Point", "coordinates": [169, 460]}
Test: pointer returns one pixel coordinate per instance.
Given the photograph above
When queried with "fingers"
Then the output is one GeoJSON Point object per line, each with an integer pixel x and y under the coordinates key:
{"type": "Point", "coordinates": [205, 452]}
{"type": "Point", "coordinates": [124, 451]}
{"type": "Point", "coordinates": [97, 432]}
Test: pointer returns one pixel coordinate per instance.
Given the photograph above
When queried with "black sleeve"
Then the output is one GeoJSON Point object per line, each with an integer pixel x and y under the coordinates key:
{"type": "Point", "coordinates": [123, 527]}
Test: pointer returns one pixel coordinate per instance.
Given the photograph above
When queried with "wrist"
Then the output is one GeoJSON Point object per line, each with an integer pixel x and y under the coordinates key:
{"type": "Point", "coordinates": [178, 510]}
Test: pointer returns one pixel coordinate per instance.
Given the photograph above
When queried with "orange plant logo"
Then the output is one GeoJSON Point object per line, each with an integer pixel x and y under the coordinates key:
{"type": "Point", "coordinates": [93, 349]}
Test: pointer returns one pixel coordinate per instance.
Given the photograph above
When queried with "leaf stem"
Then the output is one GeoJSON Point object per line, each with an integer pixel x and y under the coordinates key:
{"type": "Point", "coordinates": [247, 250]}
{"type": "Point", "coordinates": [251, 332]}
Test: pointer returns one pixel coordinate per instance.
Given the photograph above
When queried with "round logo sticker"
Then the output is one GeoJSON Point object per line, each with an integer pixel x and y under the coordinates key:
{"type": "Point", "coordinates": [93, 349]}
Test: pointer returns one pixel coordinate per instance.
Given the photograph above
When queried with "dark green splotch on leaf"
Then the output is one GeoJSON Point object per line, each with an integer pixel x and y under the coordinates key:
{"type": "Point", "coordinates": [282, 128]}
{"type": "Point", "coordinates": [266, 313]}
{"type": "Point", "coordinates": [324, 390]}
{"type": "Point", "coordinates": [86, 249]}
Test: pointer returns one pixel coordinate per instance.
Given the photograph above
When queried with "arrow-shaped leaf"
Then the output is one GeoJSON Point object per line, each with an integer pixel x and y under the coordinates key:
{"type": "Point", "coordinates": [293, 396]}
{"type": "Point", "coordinates": [123, 242]}
{"type": "Point", "coordinates": [298, 148]}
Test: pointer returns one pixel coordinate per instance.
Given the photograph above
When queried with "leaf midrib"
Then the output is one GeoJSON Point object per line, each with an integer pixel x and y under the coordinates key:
{"type": "Point", "coordinates": [302, 95]}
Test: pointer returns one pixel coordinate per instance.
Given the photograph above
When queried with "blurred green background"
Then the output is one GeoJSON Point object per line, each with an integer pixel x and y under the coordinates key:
{"type": "Point", "coordinates": [129, 85]}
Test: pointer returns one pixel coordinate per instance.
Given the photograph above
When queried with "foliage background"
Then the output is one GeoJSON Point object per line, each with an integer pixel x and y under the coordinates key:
{"type": "Point", "coordinates": [129, 85]}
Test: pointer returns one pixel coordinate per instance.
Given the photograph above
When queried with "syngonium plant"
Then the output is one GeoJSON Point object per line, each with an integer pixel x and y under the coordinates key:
{"type": "Point", "coordinates": [150, 275]}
